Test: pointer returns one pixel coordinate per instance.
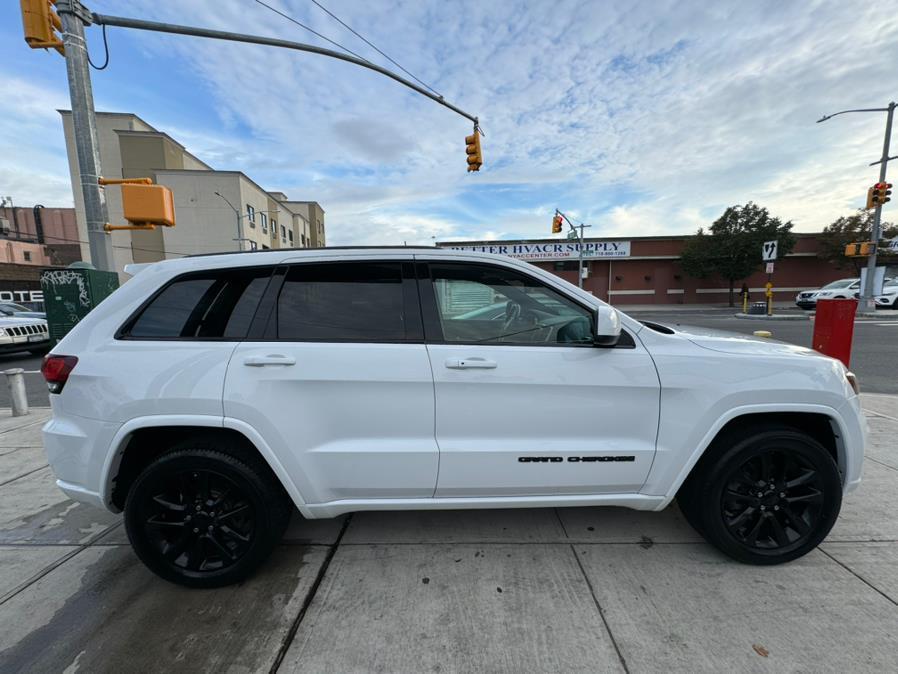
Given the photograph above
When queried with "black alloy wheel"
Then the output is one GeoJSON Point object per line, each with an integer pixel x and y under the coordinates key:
{"type": "Point", "coordinates": [203, 518]}
{"type": "Point", "coordinates": [199, 520]}
{"type": "Point", "coordinates": [773, 502]}
{"type": "Point", "coordinates": [767, 498]}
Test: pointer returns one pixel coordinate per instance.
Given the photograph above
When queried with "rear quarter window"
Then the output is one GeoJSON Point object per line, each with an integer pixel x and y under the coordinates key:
{"type": "Point", "coordinates": [218, 304]}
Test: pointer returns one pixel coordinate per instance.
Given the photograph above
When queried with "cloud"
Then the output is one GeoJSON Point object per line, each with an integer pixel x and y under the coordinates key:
{"type": "Point", "coordinates": [648, 118]}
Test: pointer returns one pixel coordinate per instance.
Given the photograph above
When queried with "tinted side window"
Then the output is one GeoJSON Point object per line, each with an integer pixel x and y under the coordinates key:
{"type": "Point", "coordinates": [342, 302]}
{"type": "Point", "coordinates": [209, 305]}
{"type": "Point", "coordinates": [480, 303]}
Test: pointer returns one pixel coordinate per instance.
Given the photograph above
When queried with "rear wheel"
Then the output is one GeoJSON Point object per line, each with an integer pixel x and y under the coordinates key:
{"type": "Point", "coordinates": [767, 499]}
{"type": "Point", "coordinates": [203, 518]}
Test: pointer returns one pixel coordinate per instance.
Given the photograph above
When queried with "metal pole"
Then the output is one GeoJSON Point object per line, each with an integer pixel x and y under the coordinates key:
{"type": "Point", "coordinates": [867, 305]}
{"type": "Point", "coordinates": [580, 274]}
{"type": "Point", "coordinates": [87, 147]}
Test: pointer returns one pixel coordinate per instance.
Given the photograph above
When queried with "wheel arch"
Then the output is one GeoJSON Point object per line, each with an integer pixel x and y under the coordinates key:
{"type": "Point", "coordinates": [820, 422]}
{"type": "Point", "coordinates": [140, 441]}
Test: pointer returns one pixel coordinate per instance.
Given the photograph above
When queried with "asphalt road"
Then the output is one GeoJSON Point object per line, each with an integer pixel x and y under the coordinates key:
{"type": "Point", "coordinates": [874, 354]}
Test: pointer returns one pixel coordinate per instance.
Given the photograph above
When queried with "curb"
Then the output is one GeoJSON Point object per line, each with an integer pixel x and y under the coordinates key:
{"type": "Point", "coordinates": [775, 317]}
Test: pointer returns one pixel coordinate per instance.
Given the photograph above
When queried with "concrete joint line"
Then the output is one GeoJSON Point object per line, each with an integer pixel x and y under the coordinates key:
{"type": "Point", "coordinates": [55, 565]}
{"type": "Point", "coordinates": [19, 477]}
{"type": "Point", "coordinates": [858, 576]}
{"type": "Point", "coordinates": [620, 655]}
{"type": "Point", "coordinates": [885, 465]}
{"type": "Point", "coordinates": [294, 628]}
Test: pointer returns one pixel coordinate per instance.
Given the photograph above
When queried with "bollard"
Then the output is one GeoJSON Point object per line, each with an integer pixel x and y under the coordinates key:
{"type": "Point", "coordinates": [762, 333]}
{"type": "Point", "coordinates": [16, 381]}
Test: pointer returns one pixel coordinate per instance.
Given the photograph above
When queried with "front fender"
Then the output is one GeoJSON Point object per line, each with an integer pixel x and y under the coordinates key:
{"type": "Point", "coordinates": [669, 470]}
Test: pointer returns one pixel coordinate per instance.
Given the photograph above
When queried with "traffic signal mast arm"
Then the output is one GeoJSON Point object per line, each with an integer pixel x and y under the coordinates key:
{"type": "Point", "coordinates": [159, 27]}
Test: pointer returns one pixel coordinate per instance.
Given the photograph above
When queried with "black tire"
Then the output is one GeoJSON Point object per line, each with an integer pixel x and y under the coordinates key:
{"type": "Point", "coordinates": [203, 518]}
{"type": "Point", "coordinates": [765, 499]}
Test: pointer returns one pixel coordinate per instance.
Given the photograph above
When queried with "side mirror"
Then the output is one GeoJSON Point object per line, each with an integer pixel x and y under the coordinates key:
{"type": "Point", "coordinates": [607, 326]}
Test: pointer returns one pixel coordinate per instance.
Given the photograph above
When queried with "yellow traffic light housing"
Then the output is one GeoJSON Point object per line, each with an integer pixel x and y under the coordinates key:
{"type": "Point", "coordinates": [870, 202]}
{"type": "Point", "coordinates": [881, 193]}
{"type": "Point", "coordinates": [144, 205]}
{"type": "Point", "coordinates": [556, 224]}
{"type": "Point", "coordinates": [472, 149]}
{"type": "Point", "coordinates": [42, 25]}
{"type": "Point", "coordinates": [863, 249]}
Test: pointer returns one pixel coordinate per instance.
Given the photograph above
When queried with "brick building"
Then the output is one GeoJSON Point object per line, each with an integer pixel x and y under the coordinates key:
{"type": "Point", "coordinates": [646, 270]}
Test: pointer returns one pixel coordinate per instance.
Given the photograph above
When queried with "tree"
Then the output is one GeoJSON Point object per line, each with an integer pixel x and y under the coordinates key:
{"type": "Point", "coordinates": [732, 247]}
{"type": "Point", "coordinates": [853, 228]}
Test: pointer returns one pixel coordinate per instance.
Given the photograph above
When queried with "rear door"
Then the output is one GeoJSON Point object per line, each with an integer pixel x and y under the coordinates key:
{"type": "Point", "coordinates": [525, 403]}
{"type": "Point", "coordinates": [338, 381]}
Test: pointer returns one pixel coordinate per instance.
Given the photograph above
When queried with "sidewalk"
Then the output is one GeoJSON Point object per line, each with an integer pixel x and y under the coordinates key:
{"type": "Point", "coordinates": [578, 589]}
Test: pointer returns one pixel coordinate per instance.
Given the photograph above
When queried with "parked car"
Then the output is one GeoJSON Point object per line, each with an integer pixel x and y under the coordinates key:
{"type": "Point", "coordinates": [210, 396]}
{"type": "Point", "coordinates": [889, 297]}
{"type": "Point", "coordinates": [845, 288]}
{"type": "Point", "coordinates": [24, 334]}
{"type": "Point", "coordinates": [19, 311]}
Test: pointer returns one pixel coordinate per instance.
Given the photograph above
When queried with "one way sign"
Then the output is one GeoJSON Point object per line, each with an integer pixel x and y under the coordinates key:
{"type": "Point", "coordinates": [768, 252]}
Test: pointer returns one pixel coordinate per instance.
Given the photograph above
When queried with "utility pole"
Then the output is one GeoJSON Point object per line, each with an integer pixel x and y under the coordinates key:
{"type": "Point", "coordinates": [74, 17]}
{"type": "Point", "coordinates": [866, 305]}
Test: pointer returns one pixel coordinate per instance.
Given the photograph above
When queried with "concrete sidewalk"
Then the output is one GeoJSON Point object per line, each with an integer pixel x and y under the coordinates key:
{"type": "Point", "coordinates": [580, 589]}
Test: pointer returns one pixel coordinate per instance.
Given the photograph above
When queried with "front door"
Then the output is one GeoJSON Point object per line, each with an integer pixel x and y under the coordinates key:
{"type": "Point", "coordinates": [525, 403]}
{"type": "Point", "coordinates": [339, 383]}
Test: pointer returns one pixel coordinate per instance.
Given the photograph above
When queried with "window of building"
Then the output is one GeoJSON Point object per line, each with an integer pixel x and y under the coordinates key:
{"type": "Point", "coordinates": [27, 255]}
{"type": "Point", "coordinates": [283, 234]}
{"type": "Point", "coordinates": [290, 236]}
{"type": "Point", "coordinates": [209, 305]}
{"type": "Point", "coordinates": [251, 215]}
{"type": "Point", "coordinates": [263, 219]}
{"type": "Point", "coordinates": [360, 302]}
{"type": "Point", "coordinates": [302, 237]}
{"type": "Point", "coordinates": [485, 304]}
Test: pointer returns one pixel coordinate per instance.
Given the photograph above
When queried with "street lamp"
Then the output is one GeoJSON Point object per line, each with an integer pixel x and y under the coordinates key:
{"type": "Point", "coordinates": [866, 304]}
{"type": "Point", "coordinates": [240, 238]}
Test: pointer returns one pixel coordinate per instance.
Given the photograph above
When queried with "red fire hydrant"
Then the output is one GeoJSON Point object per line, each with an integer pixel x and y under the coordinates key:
{"type": "Point", "coordinates": [834, 328]}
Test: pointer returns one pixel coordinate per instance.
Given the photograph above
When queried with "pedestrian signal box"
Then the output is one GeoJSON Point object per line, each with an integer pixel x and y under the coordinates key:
{"type": "Point", "coordinates": [144, 205]}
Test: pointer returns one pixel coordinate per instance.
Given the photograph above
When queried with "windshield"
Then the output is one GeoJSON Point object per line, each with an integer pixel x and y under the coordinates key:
{"type": "Point", "coordinates": [844, 283]}
{"type": "Point", "coordinates": [12, 306]}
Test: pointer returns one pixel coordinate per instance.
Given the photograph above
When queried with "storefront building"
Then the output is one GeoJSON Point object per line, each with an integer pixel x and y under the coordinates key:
{"type": "Point", "coordinates": [646, 270]}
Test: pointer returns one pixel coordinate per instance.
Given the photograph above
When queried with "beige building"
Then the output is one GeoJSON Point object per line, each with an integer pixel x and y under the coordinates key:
{"type": "Point", "coordinates": [217, 211]}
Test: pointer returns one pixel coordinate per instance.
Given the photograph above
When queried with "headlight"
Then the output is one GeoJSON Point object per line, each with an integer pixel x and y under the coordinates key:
{"type": "Point", "coordinates": [2, 332]}
{"type": "Point", "coordinates": [853, 382]}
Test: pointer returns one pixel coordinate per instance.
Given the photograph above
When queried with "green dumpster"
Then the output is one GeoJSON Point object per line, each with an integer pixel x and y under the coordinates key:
{"type": "Point", "coordinates": [69, 294]}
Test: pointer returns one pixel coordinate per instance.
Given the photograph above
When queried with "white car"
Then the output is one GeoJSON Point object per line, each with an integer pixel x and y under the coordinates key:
{"type": "Point", "coordinates": [24, 334]}
{"type": "Point", "coordinates": [209, 396]}
{"type": "Point", "coordinates": [889, 297]}
{"type": "Point", "coordinates": [845, 288]}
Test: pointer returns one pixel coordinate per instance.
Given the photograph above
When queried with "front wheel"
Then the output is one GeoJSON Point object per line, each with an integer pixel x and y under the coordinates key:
{"type": "Point", "coordinates": [768, 499]}
{"type": "Point", "coordinates": [203, 518]}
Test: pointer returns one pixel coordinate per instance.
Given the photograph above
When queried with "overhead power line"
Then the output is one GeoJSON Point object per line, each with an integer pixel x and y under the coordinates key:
{"type": "Point", "coordinates": [314, 32]}
{"type": "Point", "coordinates": [373, 46]}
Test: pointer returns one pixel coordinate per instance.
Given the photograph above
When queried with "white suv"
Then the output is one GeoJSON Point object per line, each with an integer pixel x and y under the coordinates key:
{"type": "Point", "coordinates": [210, 395]}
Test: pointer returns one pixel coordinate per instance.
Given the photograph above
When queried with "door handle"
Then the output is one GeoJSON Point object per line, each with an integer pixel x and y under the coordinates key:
{"type": "Point", "coordinates": [270, 359]}
{"type": "Point", "coordinates": [470, 364]}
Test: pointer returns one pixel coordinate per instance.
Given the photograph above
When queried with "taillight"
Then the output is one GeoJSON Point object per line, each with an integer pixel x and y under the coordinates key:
{"type": "Point", "coordinates": [56, 370]}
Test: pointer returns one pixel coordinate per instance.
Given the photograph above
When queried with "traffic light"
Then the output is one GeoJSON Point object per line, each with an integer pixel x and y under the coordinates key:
{"type": "Point", "coordinates": [556, 224]}
{"type": "Point", "coordinates": [472, 148]}
{"type": "Point", "coordinates": [42, 25]}
{"type": "Point", "coordinates": [863, 249]}
{"type": "Point", "coordinates": [870, 202]}
{"type": "Point", "coordinates": [881, 193]}
{"type": "Point", "coordinates": [144, 205]}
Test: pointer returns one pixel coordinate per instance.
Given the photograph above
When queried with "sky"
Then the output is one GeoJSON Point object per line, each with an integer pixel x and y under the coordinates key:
{"type": "Point", "coordinates": [637, 118]}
